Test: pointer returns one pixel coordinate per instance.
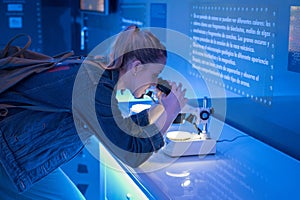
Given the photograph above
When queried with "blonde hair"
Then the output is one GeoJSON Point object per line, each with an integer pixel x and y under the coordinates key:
{"type": "Point", "coordinates": [134, 43]}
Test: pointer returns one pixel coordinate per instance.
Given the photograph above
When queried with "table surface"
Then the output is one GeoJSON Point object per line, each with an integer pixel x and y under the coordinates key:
{"type": "Point", "coordinates": [244, 168]}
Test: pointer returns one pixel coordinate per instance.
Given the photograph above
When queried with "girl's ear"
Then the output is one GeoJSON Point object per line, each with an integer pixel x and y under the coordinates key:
{"type": "Point", "coordinates": [135, 66]}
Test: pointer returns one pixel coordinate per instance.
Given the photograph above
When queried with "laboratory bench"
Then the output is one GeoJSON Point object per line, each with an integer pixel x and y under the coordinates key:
{"type": "Point", "coordinates": [242, 168]}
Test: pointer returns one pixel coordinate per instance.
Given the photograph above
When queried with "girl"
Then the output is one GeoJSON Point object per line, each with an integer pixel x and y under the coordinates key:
{"type": "Point", "coordinates": [56, 111]}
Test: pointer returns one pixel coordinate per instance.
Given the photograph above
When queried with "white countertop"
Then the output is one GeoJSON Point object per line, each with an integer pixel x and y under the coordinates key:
{"type": "Point", "coordinates": [245, 168]}
{"type": "Point", "coordinates": [242, 169]}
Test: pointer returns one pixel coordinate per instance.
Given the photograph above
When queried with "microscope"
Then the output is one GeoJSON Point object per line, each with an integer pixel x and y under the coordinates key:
{"type": "Point", "coordinates": [183, 141]}
{"type": "Point", "coordinates": [185, 137]}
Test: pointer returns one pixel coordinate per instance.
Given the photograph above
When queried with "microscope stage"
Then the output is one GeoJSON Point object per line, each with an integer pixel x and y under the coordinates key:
{"type": "Point", "coordinates": [181, 143]}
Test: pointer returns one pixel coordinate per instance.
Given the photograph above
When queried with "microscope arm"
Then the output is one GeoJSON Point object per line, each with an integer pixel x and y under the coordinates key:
{"type": "Point", "coordinates": [194, 112]}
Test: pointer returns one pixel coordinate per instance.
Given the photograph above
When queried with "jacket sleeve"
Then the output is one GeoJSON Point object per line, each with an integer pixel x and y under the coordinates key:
{"type": "Point", "coordinates": [132, 139]}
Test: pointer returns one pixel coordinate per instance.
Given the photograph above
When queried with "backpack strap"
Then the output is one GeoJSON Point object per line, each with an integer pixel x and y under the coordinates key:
{"type": "Point", "coordinates": [19, 51]}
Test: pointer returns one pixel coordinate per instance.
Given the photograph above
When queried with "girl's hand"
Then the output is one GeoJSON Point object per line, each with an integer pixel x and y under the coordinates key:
{"type": "Point", "coordinates": [174, 102]}
{"type": "Point", "coordinates": [164, 113]}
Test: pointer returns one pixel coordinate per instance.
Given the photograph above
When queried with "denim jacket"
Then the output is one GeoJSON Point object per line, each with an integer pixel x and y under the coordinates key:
{"type": "Point", "coordinates": [46, 127]}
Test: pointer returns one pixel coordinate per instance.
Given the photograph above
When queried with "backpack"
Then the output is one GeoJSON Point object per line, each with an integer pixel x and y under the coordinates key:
{"type": "Point", "coordinates": [17, 63]}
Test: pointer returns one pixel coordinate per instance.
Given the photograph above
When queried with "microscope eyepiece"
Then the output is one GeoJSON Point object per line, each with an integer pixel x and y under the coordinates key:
{"type": "Point", "coordinates": [163, 86]}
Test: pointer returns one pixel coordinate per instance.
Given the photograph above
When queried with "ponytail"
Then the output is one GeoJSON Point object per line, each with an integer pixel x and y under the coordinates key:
{"type": "Point", "coordinates": [135, 43]}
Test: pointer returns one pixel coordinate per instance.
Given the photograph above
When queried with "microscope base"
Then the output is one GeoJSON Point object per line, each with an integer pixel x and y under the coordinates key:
{"type": "Point", "coordinates": [190, 147]}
